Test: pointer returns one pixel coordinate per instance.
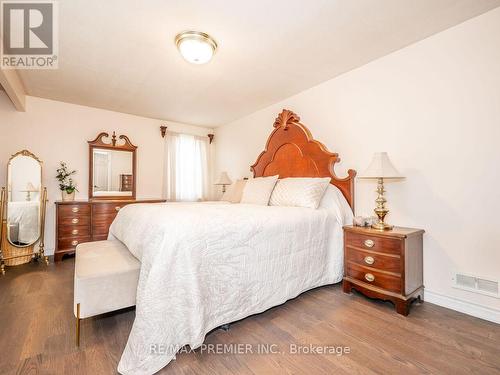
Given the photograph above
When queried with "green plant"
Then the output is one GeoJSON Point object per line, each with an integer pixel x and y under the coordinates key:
{"type": "Point", "coordinates": [66, 183]}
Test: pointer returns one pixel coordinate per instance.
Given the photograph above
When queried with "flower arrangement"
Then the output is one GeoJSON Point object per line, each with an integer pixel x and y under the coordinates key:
{"type": "Point", "coordinates": [66, 183]}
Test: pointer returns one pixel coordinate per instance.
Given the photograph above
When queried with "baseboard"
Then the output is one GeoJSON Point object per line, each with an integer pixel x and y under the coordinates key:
{"type": "Point", "coordinates": [466, 307]}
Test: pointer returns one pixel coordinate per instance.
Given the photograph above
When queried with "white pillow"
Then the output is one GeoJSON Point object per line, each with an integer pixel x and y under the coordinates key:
{"type": "Point", "coordinates": [299, 191]}
{"type": "Point", "coordinates": [258, 190]}
{"type": "Point", "coordinates": [234, 192]}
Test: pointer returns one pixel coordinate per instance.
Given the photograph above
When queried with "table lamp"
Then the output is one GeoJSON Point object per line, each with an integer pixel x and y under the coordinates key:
{"type": "Point", "coordinates": [381, 168]}
{"type": "Point", "coordinates": [29, 189]}
{"type": "Point", "coordinates": [224, 180]}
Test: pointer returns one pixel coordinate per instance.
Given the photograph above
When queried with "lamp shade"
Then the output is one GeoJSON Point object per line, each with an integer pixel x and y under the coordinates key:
{"type": "Point", "coordinates": [224, 179]}
{"type": "Point", "coordinates": [30, 187]}
{"type": "Point", "coordinates": [381, 167]}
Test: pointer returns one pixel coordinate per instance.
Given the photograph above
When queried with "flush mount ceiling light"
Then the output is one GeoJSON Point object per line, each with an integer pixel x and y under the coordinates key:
{"type": "Point", "coordinates": [196, 47]}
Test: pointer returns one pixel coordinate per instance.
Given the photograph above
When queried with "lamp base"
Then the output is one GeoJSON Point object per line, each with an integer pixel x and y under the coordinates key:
{"type": "Point", "coordinates": [382, 226]}
{"type": "Point", "coordinates": [380, 210]}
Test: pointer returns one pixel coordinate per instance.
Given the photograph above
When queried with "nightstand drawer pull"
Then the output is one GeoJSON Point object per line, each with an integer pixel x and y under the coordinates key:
{"type": "Point", "coordinates": [74, 243]}
{"type": "Point", "coordinates": [117, 208]}
{"type": "Point", "coordinates": [369, 260]}
{"type": "Point", "coordinates": [369, 277]}
{"type": "Point", "coordinates": [74, 231]}
{"type": "Point", "coordinates": [75, 221]}
{"type": "Point", "coordinates": [75, 209]}
{"type": "Point", "coordinates": [369, 243]}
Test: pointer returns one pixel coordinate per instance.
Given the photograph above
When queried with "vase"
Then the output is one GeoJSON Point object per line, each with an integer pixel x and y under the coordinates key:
{"type": "Point", "coordinates": [68, 196]}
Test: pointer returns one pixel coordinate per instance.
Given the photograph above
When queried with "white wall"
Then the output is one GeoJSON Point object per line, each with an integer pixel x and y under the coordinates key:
{"type": "Point", "coordinates": [56, 131]}
{"type": "Point", "coordinates": [435, 108]}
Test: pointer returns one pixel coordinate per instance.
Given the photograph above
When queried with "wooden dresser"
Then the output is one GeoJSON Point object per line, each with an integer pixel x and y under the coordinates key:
{"type": "Point", "coordinates": [386, 265]}
{"type": "Point", "coordinates": [126, 182]}
{"type": "Point", "coordinates": [86, 221]}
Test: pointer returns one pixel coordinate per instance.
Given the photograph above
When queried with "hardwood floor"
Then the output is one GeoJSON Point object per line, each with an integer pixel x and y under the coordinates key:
{"type": "Point", "coordinates": [37, 334]}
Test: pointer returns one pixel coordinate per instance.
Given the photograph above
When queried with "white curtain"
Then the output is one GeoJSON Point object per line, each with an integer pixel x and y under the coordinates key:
{"type": "Point", "coordinates": [186, 175]}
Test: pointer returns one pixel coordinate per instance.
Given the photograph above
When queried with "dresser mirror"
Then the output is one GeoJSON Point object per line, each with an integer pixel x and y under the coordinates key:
{"type": "Point", "coordinates": [23, 209]}
{"type": "Point", "coordinates": [112, 167]}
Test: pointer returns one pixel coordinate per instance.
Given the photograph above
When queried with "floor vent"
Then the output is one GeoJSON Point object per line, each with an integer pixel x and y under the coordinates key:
{"type": "Point", "coordinates": [477, 284]}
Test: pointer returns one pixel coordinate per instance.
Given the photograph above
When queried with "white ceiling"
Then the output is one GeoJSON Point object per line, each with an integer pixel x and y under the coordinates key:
{"type": "Point", "coordinates": [120, 54]}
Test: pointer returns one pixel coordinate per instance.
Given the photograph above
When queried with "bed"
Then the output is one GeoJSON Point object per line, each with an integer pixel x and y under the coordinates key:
{"type": "Point", "coordinates": [206, 265]}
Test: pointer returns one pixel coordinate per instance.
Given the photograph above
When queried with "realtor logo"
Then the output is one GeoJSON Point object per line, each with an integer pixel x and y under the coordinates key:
{"type": "Point", "coordinates": [29, 35]}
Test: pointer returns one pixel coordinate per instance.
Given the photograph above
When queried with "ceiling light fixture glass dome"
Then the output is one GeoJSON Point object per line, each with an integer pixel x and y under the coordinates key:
{"type": "Point", "coordinates": [196, 47]}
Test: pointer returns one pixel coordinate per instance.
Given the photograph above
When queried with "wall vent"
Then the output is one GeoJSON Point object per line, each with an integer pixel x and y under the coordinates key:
{"type": "Point", "coordinates": [477, 284]}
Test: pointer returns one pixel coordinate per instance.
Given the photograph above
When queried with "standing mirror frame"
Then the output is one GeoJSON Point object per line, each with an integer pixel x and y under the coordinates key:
{"type": "Point", "coordinates": [129, 185]}
{"type": "Point", "coordinates": [22, 218]}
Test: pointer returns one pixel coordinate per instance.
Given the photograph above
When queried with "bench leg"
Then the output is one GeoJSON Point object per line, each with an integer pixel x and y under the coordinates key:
{"type": "Point", "coordinates": [77, 324]}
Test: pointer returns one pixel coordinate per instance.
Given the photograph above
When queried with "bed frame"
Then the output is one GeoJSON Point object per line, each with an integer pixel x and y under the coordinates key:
{"type": "Point", "coordinates": [291, 151]}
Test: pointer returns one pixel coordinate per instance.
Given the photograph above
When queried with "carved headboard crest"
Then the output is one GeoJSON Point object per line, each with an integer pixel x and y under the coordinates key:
{"type": "Point", "coordinates": [291, 151]}
{"type": "Point", "coordinates": [285, 118]}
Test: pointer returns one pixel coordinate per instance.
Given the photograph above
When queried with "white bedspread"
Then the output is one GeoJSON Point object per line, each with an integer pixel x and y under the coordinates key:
{"type": "Point", "coordinates": [25, 214]}
{"type": "Point", "coordinates": [205, 265]}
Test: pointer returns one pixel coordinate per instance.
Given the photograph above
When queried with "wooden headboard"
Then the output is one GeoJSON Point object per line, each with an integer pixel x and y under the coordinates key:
{"type": "Point", "coordinates": [291, 151]}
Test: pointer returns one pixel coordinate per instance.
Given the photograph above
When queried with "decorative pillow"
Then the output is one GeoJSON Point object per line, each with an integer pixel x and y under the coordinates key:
{"type": "Point", "coordinates": [299, 192]}
{"type": "Point", "coordinates": [239, 186]}
{"type": "Point", "coordinates": [234, 192]}
{"type": "Point", "coordinates": [258, 190]}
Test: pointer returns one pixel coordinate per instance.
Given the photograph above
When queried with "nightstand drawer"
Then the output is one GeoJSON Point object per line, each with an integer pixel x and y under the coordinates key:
{"type": "Point", "coordinates": [390, 263]}
{"type": "Point", "coordinates": [374, 243]}
{"type": "Point", "coordinates": [373, 277]}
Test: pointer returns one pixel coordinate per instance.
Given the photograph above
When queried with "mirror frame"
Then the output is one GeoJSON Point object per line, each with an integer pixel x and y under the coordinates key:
{"type": "Point", "coordinates": [127, 146]}
{"type": "Point", "coordinates": [40, 214]}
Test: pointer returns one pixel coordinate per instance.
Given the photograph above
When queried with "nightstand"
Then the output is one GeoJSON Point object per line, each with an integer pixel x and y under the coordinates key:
{"type": "Point", "coordinates": [384, 264]}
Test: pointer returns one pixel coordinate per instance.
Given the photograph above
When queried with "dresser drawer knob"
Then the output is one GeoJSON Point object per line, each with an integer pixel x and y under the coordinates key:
{"type": "Point", "coordinates": [369, 243]}
{"type": "Point", "coordinates": [74, 231]}
{"type": "Point", "coordinates": [369, 277]}
{"type": "Point", "coordinates": [75, 221]}
{"type": "Point", "coordinates": [369, 260]}
{"type": "Point", "coordinates": [74, 243]}
{"type": "Point", "coordinates": [117, 208]}
{"type": "Point", "coordinates": [75, 209]}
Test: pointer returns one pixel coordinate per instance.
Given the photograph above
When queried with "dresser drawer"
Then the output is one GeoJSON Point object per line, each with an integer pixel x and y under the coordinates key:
{"type": "Point", "coordinates": [373, 277]}
{"type": "Point", "coordinates": [66, 231]}
{"type": "Point", "coordinates": [107, 208]}
{"type": "Point", "coordinates": [73, 220]}
{"type": "Point", "coordinates": [374, 243]}
{"type": "Point", "coordinates": [101, 223]}
{"type": "Point", "coordinates": [71, 243]}
{"type": "Point", "coordinates": [73, 210]}
{"type": "Point", "coordinates": [390, 263]}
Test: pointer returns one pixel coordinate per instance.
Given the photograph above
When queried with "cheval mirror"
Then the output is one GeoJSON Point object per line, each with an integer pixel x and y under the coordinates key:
{"type": "Point", "coordinates": [22, 209]}
{"type": "Point", "coordinates": [112, 168]}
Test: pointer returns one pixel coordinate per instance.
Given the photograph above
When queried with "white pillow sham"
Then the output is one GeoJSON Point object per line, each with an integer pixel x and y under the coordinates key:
{"type": "Point", "coordinates": [234, 192]}
{"type": "Point", "coordinates": [299, 191]}
{"type": "Point", "coordinates": [258, 190]}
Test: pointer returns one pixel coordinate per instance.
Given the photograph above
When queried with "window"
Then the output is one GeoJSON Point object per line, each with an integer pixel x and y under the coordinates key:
{"type": "Point", "coordinates": [186, 167]}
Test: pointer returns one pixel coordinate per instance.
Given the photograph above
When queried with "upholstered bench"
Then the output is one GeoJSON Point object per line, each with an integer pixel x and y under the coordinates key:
{"type": "Point", "coordinates": [106, 277]}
